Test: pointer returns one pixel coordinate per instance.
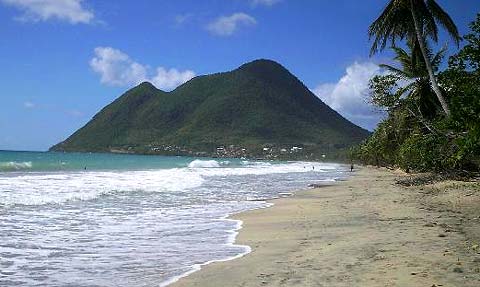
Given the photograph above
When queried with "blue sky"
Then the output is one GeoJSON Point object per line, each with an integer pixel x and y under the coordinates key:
{"type": "Point", "coordinates": [63, 60]}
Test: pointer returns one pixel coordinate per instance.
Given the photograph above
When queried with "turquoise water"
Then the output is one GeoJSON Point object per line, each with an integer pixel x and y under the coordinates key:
{"type": "Point", "coordinates": [58, 161]}
{"type": "Point", "coordinates": [130, 220]}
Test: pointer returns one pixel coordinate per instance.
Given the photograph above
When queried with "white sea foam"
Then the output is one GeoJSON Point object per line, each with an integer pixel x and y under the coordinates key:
{"type": "Point", "coordinates": [204, 163]}
{"type": "Point", "coordinates": [47, 188]}
{"type": "Point", "coordinates": [39, 189]}
{"type": "Point", "coordinates": [14, 165]}
{"type": "Point", "coordinates": [263, 168]}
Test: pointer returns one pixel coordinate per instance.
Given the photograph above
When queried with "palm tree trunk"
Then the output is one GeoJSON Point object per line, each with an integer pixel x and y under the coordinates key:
{"type": "Point", "coordinates": [422, 121]}
{"type": "Point", "coordinates": [421, 42]}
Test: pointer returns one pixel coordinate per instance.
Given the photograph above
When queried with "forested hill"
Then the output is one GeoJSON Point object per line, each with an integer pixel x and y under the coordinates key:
{"type": "Point", "coordinates": [259, 109]}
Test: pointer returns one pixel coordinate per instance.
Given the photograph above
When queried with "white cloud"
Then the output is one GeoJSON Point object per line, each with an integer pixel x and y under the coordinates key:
{"type": "Point", "coordinates": [265, 2]}
{"type": "Point", "coordinates": [71, 11]}
{"type": "Point", "coordinates": [29, 105]}
{"type": "Point", "coordinates": [227, 25]}
{"type": "Point", "coordinates": [118, 69]}
{"type": "Point", "coordinates": [348, 95]}
{"type": "Point", "coordinates": [170, 79]}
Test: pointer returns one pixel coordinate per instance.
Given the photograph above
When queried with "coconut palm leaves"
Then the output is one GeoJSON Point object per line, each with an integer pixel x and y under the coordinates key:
{"type": "Point", "coordinates": [406, 86]}
{"type": "Point", "coordinates": [416, 21]}
{"type": "Point", "coordinates": [411, 62]}
{"type": "Point", "coordinates": [396, 23]}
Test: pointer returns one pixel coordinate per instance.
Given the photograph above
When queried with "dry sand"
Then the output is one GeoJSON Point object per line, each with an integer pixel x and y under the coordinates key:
{"type": "Point", "coordinates": [366, 231]}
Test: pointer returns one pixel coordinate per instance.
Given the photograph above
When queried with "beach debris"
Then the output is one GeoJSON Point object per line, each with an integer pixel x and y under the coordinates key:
{"type": "Point", "coordinates": [442, 235]}
{"type": "Point", "coordinates": [458, 270]}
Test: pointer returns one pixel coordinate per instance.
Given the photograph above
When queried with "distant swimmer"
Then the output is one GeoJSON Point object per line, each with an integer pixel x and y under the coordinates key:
{"type": "Point", "coordinates": [313, 167]}
{"type": "Point", "coordinates": [85, 168]}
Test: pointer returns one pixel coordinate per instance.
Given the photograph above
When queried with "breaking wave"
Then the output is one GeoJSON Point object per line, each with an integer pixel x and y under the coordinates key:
{"type": "Point", "coordinates": [203, 163]}
{"type": "Point", "coordinates": [14, 165]}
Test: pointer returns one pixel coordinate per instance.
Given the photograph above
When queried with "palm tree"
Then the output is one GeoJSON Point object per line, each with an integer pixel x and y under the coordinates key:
{"type": "Point", "coordinates": [413, 72]}
{"type": "Point", "coordinates": [407, 86]}
{"type": "Point", "coordinates": [414, 20]}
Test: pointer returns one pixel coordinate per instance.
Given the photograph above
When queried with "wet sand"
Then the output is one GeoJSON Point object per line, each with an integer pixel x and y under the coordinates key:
{"type": "Point", "coordinates": [366, 231]}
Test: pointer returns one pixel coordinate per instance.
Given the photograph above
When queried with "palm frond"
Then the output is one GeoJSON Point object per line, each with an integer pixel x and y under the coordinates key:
{"type": "Point", "coordinates": [444, 20]}
{"type": "Point", "coordinates": [394, 22]}
{"type": "Point", "coordinates": [438, 57]}
{"type": "Point", "coordinates": [403, 90]}
{"type": "Point", "coordinates": [396, 71]}
{"type": "Point", "coordinates": [429, 27]}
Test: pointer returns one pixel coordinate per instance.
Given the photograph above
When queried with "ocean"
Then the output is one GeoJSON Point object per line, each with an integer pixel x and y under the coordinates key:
{"type": "Point", "coordinates": [85, 219]}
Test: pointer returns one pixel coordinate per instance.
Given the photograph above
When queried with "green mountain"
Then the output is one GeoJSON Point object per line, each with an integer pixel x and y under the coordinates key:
{"type": "Point", "coordinates": [259, 109]}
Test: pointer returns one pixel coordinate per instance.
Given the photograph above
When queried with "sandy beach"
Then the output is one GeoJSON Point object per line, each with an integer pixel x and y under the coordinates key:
{"type": "Point", "coordinates": [366, 231]}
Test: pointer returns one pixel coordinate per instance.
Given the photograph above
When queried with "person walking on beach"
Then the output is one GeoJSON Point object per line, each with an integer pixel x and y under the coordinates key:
{"type": "Point", "coordinates": [351, 167]}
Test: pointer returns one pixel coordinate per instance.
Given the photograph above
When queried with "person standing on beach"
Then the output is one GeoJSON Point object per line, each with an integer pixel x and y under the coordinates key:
{"type": "Point", "coordinates": [351, 167]}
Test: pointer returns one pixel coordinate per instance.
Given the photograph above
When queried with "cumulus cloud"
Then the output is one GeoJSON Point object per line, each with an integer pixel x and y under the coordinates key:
{"type": "Point", "coordinates": [117, 69]}
{"type": "Point", "coordinates": [71, 11]}
{"type": "Point", "coordinates": [227, 25]}
{"type": "Point", "coordinates": [265, 2]}
{"type": "Point", "coordinates": [348, 95]}
{"type": "Point", "coordinates": [170, 79]}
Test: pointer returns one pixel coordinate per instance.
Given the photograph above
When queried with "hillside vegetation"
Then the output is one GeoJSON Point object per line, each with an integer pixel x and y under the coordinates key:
{"type": "Point", "coordinates": [257, 110]}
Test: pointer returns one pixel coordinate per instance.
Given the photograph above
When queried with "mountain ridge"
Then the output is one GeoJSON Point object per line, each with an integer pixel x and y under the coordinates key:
{"type": "Point", "coordinates": [256, 105]}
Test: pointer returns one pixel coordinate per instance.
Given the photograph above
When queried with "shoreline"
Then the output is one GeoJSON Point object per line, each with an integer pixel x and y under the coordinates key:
{"type": "Point", "coordinates": [198, 267]}
{"type": "Point", "coordinates": [234, 233]}
{"type": "Point", "coordinates": [364, 231]}
{"type": "Point", "coordinates": [231, 242]}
